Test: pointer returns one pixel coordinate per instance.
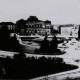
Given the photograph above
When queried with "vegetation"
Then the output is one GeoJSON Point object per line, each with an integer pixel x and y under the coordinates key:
{"type": "Point", "coordinates": [53, 31]}
{"type": "Point", "coordinates": [76, 78]}
{"type": "Point", "coordinates": [8, 43]}
{"type": "Point", "coordinates": [31, 67]}
{"type": "Point", "coordinates": [79, 33]}
{"type": "Point", "coordinates": [5, 42]}
{"type": "Point", "coordinates": [49, 47]}
{"type": "Point", "coordinates": [21, 24]}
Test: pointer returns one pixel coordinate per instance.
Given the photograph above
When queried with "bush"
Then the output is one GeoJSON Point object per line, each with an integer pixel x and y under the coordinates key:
{"type": "Point", "coordinates": [32, 67]}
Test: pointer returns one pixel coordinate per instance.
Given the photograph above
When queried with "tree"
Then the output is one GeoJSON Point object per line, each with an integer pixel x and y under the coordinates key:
{"type": "Point", "coordinates": [5, 42]}
{"type": "Point", "coordinates": [53, 31]}
{"type": "Point", "coordinates": [21, 22]}
{"type": "Point", "coordinates": [15, 44]}
{"type": "Point", "coordinates": [79, 33]}
{"type": "Point", "coordinates": [44, 45]}
{"type": "Point", "coordinates": [53, 44]}
{"type": "Point", "coordinates": [20, 25]}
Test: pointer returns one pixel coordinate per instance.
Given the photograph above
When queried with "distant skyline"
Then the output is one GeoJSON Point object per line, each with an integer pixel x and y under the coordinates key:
{"type": "Point", "coordinates": [57, 11]}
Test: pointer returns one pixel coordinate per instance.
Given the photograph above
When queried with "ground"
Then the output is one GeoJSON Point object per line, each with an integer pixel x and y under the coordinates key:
{"type": "Point", "coordinates": [72, 56]}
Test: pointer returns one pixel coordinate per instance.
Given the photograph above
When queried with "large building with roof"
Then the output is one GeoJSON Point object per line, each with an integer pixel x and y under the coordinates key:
{"type": "Point", "coordinates": [35, 26]}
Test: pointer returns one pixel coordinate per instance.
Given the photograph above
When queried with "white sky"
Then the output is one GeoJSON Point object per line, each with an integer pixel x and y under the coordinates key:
{"type": "Point", "coordinates": [58, 11]}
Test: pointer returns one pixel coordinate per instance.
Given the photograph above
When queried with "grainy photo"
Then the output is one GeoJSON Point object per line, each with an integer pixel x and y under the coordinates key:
{"type": "Point", "coordinates": [40, 39]}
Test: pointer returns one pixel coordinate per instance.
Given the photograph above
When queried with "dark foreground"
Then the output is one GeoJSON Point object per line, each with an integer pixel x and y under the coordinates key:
{"type": "Point", "coordinates": [31, 67]}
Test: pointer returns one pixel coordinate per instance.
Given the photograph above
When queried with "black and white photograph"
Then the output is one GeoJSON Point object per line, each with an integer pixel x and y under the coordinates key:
{"type": "Point", "coordinates": [40, 39]}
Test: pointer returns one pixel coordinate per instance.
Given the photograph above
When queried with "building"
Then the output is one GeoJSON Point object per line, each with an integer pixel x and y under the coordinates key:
{"type": "Point", "coordinates": [68, 30]}
{"type": "Point", "coordinates": [34, 26]}
{"type": "Point", "coordinates": [11, 26]}
{"type": "Point", "coordinates": [75, 30]}
{"type": "Point", "coordinates": [56, 27]}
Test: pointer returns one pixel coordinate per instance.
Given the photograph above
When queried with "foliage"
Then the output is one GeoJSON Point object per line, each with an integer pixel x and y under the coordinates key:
{"type": "Point", "coordinates": [53, 31]}
{"type": "Point", "coordinates": [32, 67]}
{"type": "Point", "coordinates": [50, 47]}
{"type": "Point", "coordinates": [79, 33]}
{"type": "Point", "coordinates": [5, 43]}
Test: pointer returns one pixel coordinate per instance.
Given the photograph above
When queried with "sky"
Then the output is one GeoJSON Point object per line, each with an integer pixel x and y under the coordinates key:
{"type": "Point", "coordinates": [57, 11]}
